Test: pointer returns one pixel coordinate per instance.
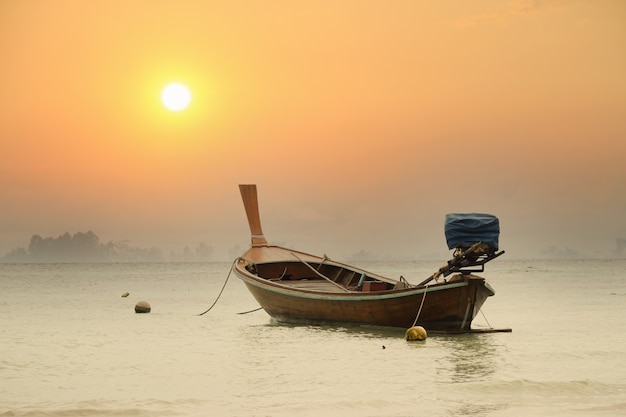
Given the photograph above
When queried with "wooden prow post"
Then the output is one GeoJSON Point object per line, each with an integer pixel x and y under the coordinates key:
{"type": "Point", "coordinates": [251, 204]}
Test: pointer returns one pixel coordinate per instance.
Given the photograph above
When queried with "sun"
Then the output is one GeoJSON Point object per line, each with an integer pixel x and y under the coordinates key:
{"type": "Point", "coordinates": [176, 97]}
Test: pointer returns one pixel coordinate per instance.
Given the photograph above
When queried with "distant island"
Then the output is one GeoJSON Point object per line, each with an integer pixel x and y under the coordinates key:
{"type": "Point", "coordinates": [86, 247]}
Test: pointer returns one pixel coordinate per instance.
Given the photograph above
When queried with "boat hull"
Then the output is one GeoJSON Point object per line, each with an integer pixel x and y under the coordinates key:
{"type": "Point", "coordinates": [293, 286]}
{"type": "Point", "coordinates": [449, 306]}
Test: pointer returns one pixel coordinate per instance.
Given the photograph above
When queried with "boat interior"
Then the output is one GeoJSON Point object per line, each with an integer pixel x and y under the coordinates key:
{"type": "Point", "coordinates": [322, 277]}
{"type": "Point", "coordinates": [333, 277]}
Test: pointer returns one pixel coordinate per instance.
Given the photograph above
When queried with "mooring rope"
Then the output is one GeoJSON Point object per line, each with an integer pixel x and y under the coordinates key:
{"type": "Point", "coordinates": [251, 311]}
{"type": "Point", "coordinates": [222, 290]}
{"type": "Point", "coordinates": [485, 317]}
{"type": "Point", "coordinates": [421, 305]}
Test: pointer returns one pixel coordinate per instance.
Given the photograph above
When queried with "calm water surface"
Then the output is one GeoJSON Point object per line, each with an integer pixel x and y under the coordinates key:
{"type": "Point", "coordinates": [72, 346]}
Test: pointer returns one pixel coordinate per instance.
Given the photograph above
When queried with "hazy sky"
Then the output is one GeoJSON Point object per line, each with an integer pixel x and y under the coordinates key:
{"type": "Point", "coordinates": [362, 122]}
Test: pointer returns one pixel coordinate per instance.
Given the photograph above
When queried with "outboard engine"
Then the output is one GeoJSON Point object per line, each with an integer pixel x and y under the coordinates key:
{"type": "Point", "coordinates": [464, 230]}
{"type": "Point", "coordinates": [474, 238]}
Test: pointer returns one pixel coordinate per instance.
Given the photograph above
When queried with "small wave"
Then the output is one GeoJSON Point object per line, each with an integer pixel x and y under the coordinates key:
{"type": "Point", "coordinates": [80, 412]}
{"type": "Point", "coordinates": [526, 387]}
{"type": "Point", "coordinates": [607, 408]}
{"type": "Point", "coordinates": [107, 408]}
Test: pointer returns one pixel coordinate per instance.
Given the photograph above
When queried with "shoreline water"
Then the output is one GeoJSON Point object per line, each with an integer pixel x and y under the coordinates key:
{"type": "Point", "coordinates": [72, 345]}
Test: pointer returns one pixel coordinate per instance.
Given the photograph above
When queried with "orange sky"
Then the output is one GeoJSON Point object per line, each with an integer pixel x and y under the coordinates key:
{"type": "Point", "coordinates": [362, 122]}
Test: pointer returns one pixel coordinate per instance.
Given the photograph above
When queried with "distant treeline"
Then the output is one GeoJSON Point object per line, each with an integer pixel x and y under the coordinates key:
{"type": "Point", "coordinates": [86, 247]}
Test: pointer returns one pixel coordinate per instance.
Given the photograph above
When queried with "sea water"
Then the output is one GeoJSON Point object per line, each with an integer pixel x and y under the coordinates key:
{"type": "Point", "coordinates": [71, 345]}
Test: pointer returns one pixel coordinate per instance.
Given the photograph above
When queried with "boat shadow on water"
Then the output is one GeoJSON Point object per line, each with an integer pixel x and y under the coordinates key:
{"type": "Point", "coordinates": [468, 357]}
{"type": "Point", "coordinates": [347, 329]}
{"type": "Point", "coordinates": [461, 346]}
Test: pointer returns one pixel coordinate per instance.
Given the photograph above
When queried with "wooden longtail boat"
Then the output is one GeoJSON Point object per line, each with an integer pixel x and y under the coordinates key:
{"type": "Point", "coordinates": [292, 286]}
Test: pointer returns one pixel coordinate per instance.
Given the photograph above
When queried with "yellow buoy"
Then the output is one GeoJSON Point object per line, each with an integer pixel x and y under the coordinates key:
{"type": "Point", "coordinates": [416, 333]}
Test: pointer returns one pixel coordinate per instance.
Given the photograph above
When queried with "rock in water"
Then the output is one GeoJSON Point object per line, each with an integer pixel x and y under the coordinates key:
{"type": "Point", "coordinates": [142, 307]}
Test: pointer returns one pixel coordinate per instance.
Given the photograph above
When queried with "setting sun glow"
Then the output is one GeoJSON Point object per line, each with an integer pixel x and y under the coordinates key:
{"type": "Point", "coordinates": [359, 123]}
{"type": "Point", "coordinates": [176, 97]}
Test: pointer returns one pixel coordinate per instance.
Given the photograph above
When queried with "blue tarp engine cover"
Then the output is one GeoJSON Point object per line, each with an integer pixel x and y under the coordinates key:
{"type": "Point", "coordinates": [463, 230]}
